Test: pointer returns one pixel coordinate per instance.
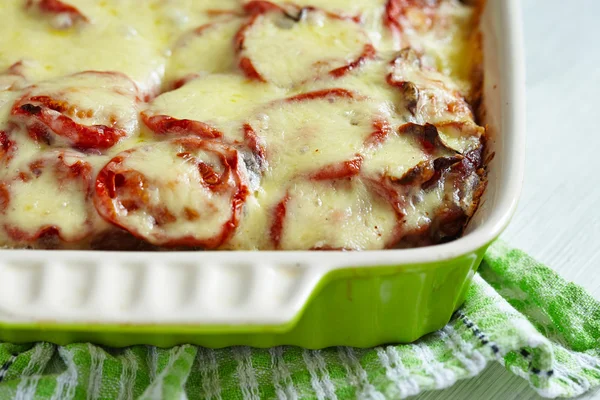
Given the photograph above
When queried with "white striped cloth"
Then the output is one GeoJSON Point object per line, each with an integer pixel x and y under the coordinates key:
{"type": "Point", "coordinates": [517, 312]}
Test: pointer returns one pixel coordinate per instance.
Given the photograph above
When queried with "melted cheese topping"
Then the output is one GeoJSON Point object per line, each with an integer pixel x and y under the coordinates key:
{"type": "Point", "coordinates": [370, 12]}
{"type": "Point", "coordinates": [88, 99]}
{"type": "Point", "coordinates": [236, 124]}
{"type": "Point", "coordinates": [313, 46]}
{"type": "Point", "coordinates": [462, 136]}
{"type": "Point", "coordinates": [48, 197]}
{"type": "Point", "coordinates": [393, 158]}
{"type": "Point", "coordinates": [303, 136]}
{"type": "Point", "coordinates": [168, 195]}
{"type": "Point", "coordinates": [223, 101]}
{"type": "Point", "coordinates": [352, 217]}
{"type": "Point", "coordinates": [446, 38]}
{"type": "Point", "coordinates": [108, 42]}
{"type": "Point", "coordinates": [177, 16]}
{"type": "Point", "coordinates": [189, 57]}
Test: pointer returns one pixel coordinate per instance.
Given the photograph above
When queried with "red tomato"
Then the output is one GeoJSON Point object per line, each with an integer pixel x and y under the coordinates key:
{"type": "Point", "coordinates": [70, 176]}
{"type": "Point", "coordinates": [52, 112]}
{"type": "Point", "coordinates": [257, 9]}
{"type": "Point", "coordinates": [194, 198]}
{"type": "Point", "coordinates": [163, 125]}
{"type": "Point", "coordinates": [58, 7]}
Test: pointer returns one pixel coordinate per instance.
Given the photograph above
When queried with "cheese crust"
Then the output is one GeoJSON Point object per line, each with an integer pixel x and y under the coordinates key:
{"type": "Point", "coordinates": [239, 124]}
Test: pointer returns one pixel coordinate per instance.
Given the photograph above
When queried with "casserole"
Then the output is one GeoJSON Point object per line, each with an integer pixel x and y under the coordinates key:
{"type": "Point", "coordinates": [310, 299]}
{"type": "Point", "coordinates": [352, 140]}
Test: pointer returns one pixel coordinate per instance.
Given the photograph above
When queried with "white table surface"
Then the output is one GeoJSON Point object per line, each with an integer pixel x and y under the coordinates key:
{"type": "Point", "coordinates": [558, 219]}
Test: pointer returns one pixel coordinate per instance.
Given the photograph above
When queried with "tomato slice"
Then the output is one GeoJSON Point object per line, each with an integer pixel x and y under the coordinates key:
{"type": "Point", "coordinates": [332, 214]}
{"type": "Point", "coordinates": [401, 15]}
{"type": "Point", "coordinates": [163, 125]}
{"type": "Point", "coordinates": [331, 93]}
{"type": "Point", "coordinates": [306, 42]}
{"type": "Point", "coordinates": [211, 106]}
{"type": "Point", "coordinates": [6, 148]}
{"type": "Point", "coordinates": [66, 112]}
{"type": "Point", "coordinates": [381, 130]}
{"type": "Point", "coordinates": [65, 15]}
{"type": "Point", "coordinates": [368, 53]}
{"type": "Point", "coordinates": [13, 77]}
{"type": "Point", "coordinates": [4, 197]}
{"type": "Point", "coordinates": [279, 214]}
{"type": "Point", "coordinates": [341, 170]}
{"type": "Point", "coordinates": [319, 135]}
{"type": "Point", "coordinates": [181, 192]}
{"type": "Point", "coordinates": [49, 198]}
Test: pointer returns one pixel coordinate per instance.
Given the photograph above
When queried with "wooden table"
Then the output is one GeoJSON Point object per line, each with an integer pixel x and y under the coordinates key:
{"type": "Point", "coordinates": [558, 220]}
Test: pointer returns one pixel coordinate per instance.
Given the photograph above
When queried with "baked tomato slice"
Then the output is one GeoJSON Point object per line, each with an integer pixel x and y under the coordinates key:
{"type": "Point", "coordinates": [181, 192]}
{"type": "Point", "coordinates": [13, 77]}
{"type": "Point", "coordinates": [406, 15]}
{"type": "Point", "coordinates": [332, 214]}
{"type": "Point", "coordinates": [306, 42]}
{"type": "Point", "coordinates": [48, 199]}
{"type": "Point", "coordinates": [63, 15]}
{"type": "Point", "coordinates": [211, 106]}
{"type": "Point", "coordinates": [166, 125]}
{"type": "Point", "coordinates": [8, 135]}
{"type": "Point", "coordinates": [88, 110]}
{"type": "Point", "coordinates": [320, 135]}
{"type": "Point", "coordinates": [6, 148]}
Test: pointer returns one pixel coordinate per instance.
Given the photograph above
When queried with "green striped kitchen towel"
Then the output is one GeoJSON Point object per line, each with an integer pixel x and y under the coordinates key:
{"type": "Point", "coordinates": [518, 312]}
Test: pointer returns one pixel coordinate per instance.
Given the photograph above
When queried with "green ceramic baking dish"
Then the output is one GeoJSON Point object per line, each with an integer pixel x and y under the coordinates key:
{"type": "Point", "coordinates": [262, 299]}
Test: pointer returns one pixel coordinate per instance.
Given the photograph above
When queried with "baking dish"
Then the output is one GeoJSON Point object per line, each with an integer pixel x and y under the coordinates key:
{"type": "Point", "coordinates": [261, 299]}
